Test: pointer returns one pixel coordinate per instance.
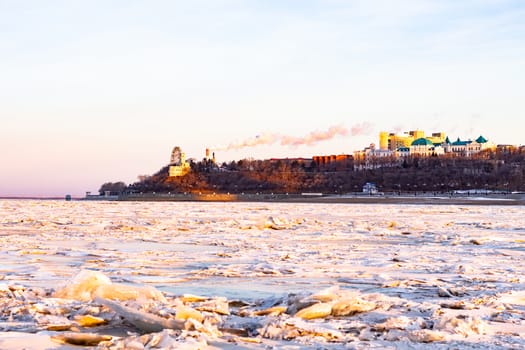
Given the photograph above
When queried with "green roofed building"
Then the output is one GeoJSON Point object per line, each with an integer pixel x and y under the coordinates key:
{"type": "Point", "coordinates": [422, 142]}
{"type": "Point", "coordinates": [424, 147]}
{"type": "Point", "coordinates": [468, 148]}
{"type": "Point", "coordinates": [481, 139]}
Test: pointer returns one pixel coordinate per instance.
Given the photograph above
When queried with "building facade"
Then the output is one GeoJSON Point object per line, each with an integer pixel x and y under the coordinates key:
{"type": "Point", "coordinates": [467, 148]}
{"type": "Point", "coordinates": [178, 164]}
{"type": "Point", "coordinates": [416, 143]}
{"type": "Point", "coordinates": [340, 162]}
{"type": "Point", "coordinates": [426, 148]}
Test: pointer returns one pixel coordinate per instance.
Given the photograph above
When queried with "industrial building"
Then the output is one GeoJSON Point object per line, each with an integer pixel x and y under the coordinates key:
{"type": "Point", "coordinates": [208, 158]}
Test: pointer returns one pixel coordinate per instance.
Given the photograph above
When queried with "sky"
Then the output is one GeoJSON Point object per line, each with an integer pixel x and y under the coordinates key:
{"type": "Point", "coordinates": [101, 91]}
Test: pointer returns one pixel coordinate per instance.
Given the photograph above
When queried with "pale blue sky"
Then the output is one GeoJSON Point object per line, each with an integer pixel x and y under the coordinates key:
{"type": "Point", "coordinates": [96, 91]}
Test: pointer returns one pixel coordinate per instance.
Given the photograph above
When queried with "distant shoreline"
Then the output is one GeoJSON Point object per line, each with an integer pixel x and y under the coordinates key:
{"type": "Point", "coordinates": [32, 198]}
{"type": "Point", "coordinates": [423, 199]}
{"type": "Point", "coordinates": [510, 199]}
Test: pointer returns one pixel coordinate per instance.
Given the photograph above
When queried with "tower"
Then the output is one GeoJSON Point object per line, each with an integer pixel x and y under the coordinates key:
{"type": "Point", "coordinates": [176, 156]}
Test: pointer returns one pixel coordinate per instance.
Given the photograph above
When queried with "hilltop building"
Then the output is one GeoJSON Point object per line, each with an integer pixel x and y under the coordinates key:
{"type": "Point", "coordinates": [208, 158]}
{"type": "Point", "coordinates": [338, 162]}
{"type": "Point", "coordinates": [178, 164]}
{"type": "Point", "coordinates": [468, 148]}
{"type": "Point", "coordinates": [415, 142]}
{"type": "Point", "coordinates": [393, 147]}
{"type": "Point", "coordinates": [424, 147]}
{"type": "Point", "coordinates": [365, 159]}
{"type": "Point", "coordinates": [306, 162]}
{"type": "Point", "coordinates": [393, 141]}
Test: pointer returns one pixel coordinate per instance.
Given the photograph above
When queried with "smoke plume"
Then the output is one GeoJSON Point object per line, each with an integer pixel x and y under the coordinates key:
{"type": "Point", "coordinates": [314, 137]}
{"type": "Point", "coordinates": [310, 139]}
{"type": "Point", "coordinates": [364, 128]}
{"type": "Point", "coordinates": [263, 139]}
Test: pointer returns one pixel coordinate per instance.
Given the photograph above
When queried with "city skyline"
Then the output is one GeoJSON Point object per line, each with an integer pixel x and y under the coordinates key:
{"type": "Point", "coordinates": [95, 92]}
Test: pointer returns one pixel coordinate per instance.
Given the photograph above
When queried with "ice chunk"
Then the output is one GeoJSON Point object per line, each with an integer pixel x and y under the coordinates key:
{"type": "Point", "coordinates": [160, 340]}
{"type": "Point", "coordinates": [118, 291]}
{"type": "Point", "coordinates": [318, 310]}
{"type": "Point", "coordinates": [218, 305]}
{"type": "Point", "coordinates": [326, 295]}
{"type": "Point", "coordinates": [401, 322]}
{"type": "Point", "coordinates": [186, 312]}
{"type": "Point", "coordinates": [89, 321]}
{"type": "Point", "coordinates": [426, 336]}
{"type": "Point", "coordinates": [144, 321]}
{"type": "Point", "coordinates": [271, 311]}
{"type": "Point", "coordinates": [275, 223]}
{"type": "Point", "coordinates": [295, 327]}
{"type": "Point", "coordinates": [352, 306]}
{"type": "Point", "coordinates": [83, 286]}
{"type": "Point", "coordinates": [464, 325]}
{"type": "Point", "coordinates": [88, 284]}
{"type": "Point", "coordinates": [190, 298]}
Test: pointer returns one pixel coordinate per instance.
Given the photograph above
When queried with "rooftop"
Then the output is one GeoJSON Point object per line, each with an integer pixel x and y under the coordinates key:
{"type": "Point", "coordinates": [481, 139]}
{"type": "Point", "coordinates": [422, 142]}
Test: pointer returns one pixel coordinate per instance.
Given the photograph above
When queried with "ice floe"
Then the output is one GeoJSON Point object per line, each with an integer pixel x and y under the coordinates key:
{"type": "Point", "coordinates": [256, 276]}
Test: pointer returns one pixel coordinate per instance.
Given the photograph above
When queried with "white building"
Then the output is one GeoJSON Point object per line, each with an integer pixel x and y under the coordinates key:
{"type": "Point", "coordinates": [370, 188]}
{"type": "Point", "coordinates": [468, 148]}
{"type": "Point", "coordinates": [425, 147]}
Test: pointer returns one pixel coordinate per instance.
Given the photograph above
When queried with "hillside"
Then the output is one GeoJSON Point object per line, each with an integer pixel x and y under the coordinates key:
{"type": "Point", "coordinates": [490, 170]}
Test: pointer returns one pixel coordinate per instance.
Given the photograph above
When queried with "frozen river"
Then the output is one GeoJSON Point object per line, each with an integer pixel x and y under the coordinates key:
{"type": "Point", "coordinates": [262, 275]}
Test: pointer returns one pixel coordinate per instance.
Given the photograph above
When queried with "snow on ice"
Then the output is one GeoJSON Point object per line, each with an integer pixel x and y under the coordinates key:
{"type": "Point", "coordinates": [124, 275]}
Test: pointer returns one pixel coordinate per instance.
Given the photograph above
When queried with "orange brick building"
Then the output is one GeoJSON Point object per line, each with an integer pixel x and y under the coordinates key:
{"type": "Point", "coordinates": [340, 162]}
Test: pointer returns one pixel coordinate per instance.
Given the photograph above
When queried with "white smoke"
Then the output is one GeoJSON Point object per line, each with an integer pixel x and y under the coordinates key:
{"type": "Point", "coordinates": [263, 139]}
{"type": "Point", "coordinates": [364, 128]}
{"type": "Point", "coordinates": [314, 137]}
{"type": "Point", "coordinates": [310, 139]}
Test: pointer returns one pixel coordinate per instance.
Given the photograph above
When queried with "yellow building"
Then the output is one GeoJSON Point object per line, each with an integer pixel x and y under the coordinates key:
{"type": "Point", "coordinates": [396, 141]}
{"type": "Point", "coordinates": [437, 137]}
{"type": "Point", "coordinates": [392, 141]}
{"type": "Point", "coordinates": [417, 134]}
{"type": "Point", "coordinates": [383, 140]}
{"type": "Point", "coordinates": [178, 164]}
{"type": "Point", "coordinates": [179, 170]}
